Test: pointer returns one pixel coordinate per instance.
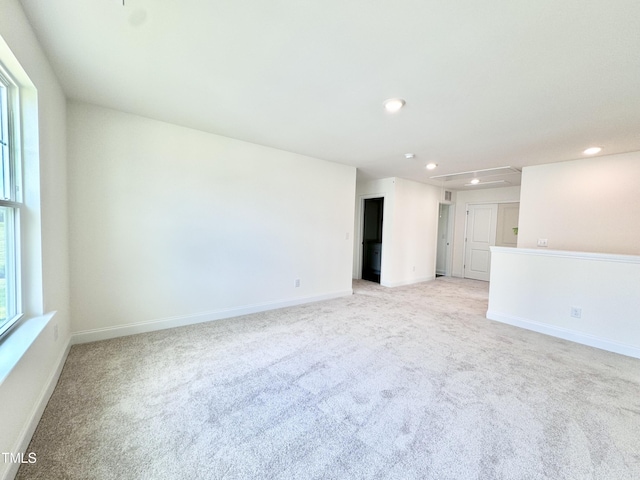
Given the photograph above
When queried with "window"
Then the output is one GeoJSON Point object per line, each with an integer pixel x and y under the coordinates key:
{"type": "Point", "coordinates": [10, 203]}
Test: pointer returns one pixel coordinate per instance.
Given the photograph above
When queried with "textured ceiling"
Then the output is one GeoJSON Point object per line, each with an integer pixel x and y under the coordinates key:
{"type": "Point", "coordinates": [487, 84]}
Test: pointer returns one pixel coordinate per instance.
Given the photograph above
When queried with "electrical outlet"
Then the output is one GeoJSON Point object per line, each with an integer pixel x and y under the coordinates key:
{"type": "Point", "coordinates": [576, 312]}
{"type": "Point", "coordinates": [296, 283]}
{"type": "Point", "coordinates": [55, 332]}
{"type": "Point", "coordinates": [542, 242]}
{"type": "Point", "coordinates": [414, 268]}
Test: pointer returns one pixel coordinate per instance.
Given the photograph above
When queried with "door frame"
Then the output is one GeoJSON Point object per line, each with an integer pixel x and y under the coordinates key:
{"type": "Point", "coordinates": [448, 262]}
{"type": "Point", "coordinates": [466, 225]}
{"type": "Point", "coordinates": [357, 273]}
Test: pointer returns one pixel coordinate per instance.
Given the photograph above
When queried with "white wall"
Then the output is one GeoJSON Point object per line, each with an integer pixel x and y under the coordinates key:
{"type": "Point", "coordinates": [415, 233]}
{"type": "Point", "coordinates": [409, 229]}
{"type": "Point", "coordinates": [536, 289]}
{"type": "Point", "coordinates": [171, 225]}
{"type": "Point", "coordinates": [466, 197]}
{"type": "Point", "coordinates": [24, 393]}
{"type": "Point", "coordinates": [590, 205]}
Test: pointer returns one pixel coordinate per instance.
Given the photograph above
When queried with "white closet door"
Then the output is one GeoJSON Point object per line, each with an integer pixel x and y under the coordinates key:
{"type": "Point", "coordinates": [481, 234]}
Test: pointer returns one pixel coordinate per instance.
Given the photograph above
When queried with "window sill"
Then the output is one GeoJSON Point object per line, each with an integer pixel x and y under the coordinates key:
{"type": "Point", "coordinates": [18, 341]}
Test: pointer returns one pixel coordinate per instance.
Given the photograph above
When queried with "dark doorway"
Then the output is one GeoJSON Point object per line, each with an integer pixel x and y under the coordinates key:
{"type": "Point", "coordinates": [372, 239]}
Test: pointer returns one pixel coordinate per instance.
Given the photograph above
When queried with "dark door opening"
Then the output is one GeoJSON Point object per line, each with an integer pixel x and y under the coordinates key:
{"type": "Point", "coordinates": [372, 239]}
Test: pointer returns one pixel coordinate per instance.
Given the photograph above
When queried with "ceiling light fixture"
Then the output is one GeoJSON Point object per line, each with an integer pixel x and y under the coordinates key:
{"type": "Point", "coordinates": [409, 156]}
{"type": "Point", "coordinates": [475, 181]}
{"type": "Point", "coordinates": [592, 150]}
{"type": "Point", "coordinates": [392, 105]}
{"type": "Point", "coordinates": [431, 166]}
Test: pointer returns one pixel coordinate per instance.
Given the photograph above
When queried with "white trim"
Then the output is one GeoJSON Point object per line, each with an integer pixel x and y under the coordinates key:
{"type": "Point", "coordinates": [106, 333]}
{"type": "Point", "coordinates": [408, 282]}
{"type": "Point", "coordinates": [29, 428]}
{"type": "Point", "coordinates": [602, 257]}
{"type": "Point", "coordinates": [566, 334]}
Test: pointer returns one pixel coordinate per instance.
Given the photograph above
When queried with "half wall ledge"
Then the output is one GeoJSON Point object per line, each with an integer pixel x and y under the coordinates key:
{"type": "Point", "coordinates": [588, 298]}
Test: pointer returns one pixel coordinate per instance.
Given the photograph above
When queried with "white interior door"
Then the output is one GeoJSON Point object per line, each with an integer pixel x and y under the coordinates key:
{"type": "Point", "coordinates": [481, 234]}
{"type": "Point", "coordinates": [442, 252]}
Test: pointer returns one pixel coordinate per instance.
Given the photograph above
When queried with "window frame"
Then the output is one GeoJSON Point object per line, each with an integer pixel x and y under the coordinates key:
{"type": "Point", "coordinates": [11, 201]}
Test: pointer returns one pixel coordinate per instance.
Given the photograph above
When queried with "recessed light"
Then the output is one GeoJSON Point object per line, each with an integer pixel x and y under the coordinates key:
{"type": "Point", "coordinates": [431, 166]}
{"type": "Point", "coordinates": [475, 181]}
{"type": "Point", "coordinates": [392, 105]}
{"type": "Point", "coordinates": [592, 150]}
{"type": "Point", "coordinates": [409, 156]}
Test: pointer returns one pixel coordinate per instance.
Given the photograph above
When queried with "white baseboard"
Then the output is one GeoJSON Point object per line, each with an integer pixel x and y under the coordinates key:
{"type": "Point", "coordinates": [408, 282]}
{"type": "Point", "coordinates": [566, 334]}
{"type": "Point", "coordinates": [181, 321]}
{"type": "Point", "coordinates": [31, 424]}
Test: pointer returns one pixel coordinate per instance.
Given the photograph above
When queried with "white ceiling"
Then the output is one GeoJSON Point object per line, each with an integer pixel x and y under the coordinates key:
{"type": "Point", "coordinates": [487, 83]}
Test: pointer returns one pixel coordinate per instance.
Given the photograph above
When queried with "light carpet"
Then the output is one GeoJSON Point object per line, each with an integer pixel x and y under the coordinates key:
{"type": "Point", "coordinates": [406, 383]}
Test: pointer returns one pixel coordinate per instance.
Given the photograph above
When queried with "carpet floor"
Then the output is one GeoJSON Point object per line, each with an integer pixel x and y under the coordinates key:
{"type": "Point", "coordinates": [405, 383]}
